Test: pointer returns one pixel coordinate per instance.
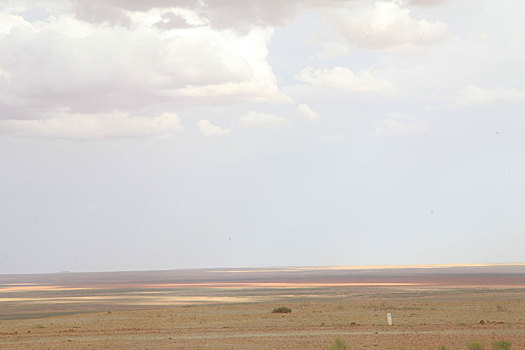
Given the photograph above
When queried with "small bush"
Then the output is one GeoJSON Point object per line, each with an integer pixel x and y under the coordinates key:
{"type": "Point", "coordinates": [442, 347]}
{"type": "Point", "coordinates": [476, 345]}
{"type": "Point", "coordinates": [501, 345]}
{"type": "Point", "coordinates": [338, 344]}
{"type": "Point", "coordinates": [281, 310]}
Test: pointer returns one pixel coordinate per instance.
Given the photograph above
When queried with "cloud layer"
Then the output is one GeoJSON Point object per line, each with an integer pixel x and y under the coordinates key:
{"type": "Point", "coordinates": [65, 125]}
{"type": "Point", "coordinates": [342, 79]}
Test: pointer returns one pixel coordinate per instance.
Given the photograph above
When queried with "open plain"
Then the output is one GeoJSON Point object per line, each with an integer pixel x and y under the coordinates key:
{"type": "Point", "coordinates": [431, 306]}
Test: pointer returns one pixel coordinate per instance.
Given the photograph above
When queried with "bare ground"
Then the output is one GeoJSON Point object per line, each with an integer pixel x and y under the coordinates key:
{"type": "Point", "coordinates": [426, 316]}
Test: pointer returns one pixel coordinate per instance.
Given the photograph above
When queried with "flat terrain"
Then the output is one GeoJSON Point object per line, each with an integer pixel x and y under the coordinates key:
{"type": "Point", "coordinates": [232, 309]}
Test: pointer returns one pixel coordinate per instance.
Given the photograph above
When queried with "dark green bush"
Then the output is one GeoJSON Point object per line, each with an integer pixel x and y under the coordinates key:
{"type": "Point", "coordinates": [281, 310]}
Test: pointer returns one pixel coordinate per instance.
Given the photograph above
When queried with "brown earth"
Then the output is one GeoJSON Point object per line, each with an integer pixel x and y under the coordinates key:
{"type": "Point", "coordinates": [167, 311]}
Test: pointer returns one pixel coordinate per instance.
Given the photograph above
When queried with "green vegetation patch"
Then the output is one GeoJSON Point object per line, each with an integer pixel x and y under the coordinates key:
{"type": "Point", "coordinates": [338, 344]}
{"type": "Point", "coordinates": [281, 310]}
{"type": "Point", "coordinates": [501, 345]}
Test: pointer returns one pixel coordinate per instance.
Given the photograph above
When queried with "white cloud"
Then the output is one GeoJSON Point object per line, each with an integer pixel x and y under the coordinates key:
{"type": "Point", "coordinates": [56, 63]}
{"type": "Point", "coordinates": [385, 25]}
{"type": "Point", "coordinates": [330, 51]}
{"type": "Point", "coordinates": [308, 113]}
{"type": "Point", "coordinates": [475, 95]}
{"type": "Point", "coordinates": [4, 74]}
{"type": "Point", "coordinates": [427, 3]}
{"type": "Point", "coordinates": [341, 78]}
{"type": "Point", "coordinates": [263, 120]}
{"type": "Point", "coordinates": [93, 126]}
{"type": "Point", "coordinates": [208, 129]}
{"type": "Point", "coordinates": [398, 125]}
{"type": "Point", "coordinates": [9, 21]}
{"type": "Point", "coordinates": [106, 61]}
{"type": "Point", "coordinates": [174, 20]}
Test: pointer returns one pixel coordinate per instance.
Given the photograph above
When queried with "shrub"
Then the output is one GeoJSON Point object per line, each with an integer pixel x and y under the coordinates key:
{"type": "Point", "coordinates": [338, 344]}
{"type": "Point", "coordinates": [281, 310]}
{"type": "Point", "coordinates": [476, 345]}
{"type": "Point", "coordinates": [501, 345]}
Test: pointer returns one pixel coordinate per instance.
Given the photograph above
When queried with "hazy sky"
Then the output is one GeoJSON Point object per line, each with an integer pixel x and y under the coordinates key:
{"type": "Point", "coordinates": [179, 133]}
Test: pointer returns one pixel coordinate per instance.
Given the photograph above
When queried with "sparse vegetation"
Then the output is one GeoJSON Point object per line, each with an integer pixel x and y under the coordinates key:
{"type": "Point", "coordinates": [338, 344]}
{"type": "Point", "coordinates": [449, 319]}
{"type": "Point", "coordinates": [476, 345]}
{"type": "Point", "coordinates": [389, 307]}
{"type": "Point", "coordinates": [501, 345]}
{"type": "Point", "coordinates": [281, 310]}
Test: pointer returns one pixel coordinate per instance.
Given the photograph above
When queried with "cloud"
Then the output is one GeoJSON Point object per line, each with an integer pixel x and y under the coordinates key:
{"type": "Point", "coordinates": [427, 3]}
{"type": "Point", "coordinates": [385, 25]}
{"type": "Point", "coordinates": [9, 21]}
{"type": "Point", "coordinates": [263, 120]}
{"type": "Point", "coordinates": [170, 20]}
{"type": "Point", "coordinates": [308, 113]}
{"type": "Point", "coordinates": [208, 129]}
{"type": "Point", "coordinates": [341, 78]}
{"type": "Point", "coordinates": [56, 63]}
{"type": "Point", "coordinates": [398, 125]}
{"type": "Point", "coordinates": [4, 74]}
{"type": "Point", "coordinates": [60, 63]}
{"type": "Point", "coordinates": [77, 126]}
{"type": "Point", "coordinates": [96, 12]}
{"type": "Point", "coordinates": [330, 51]}
{"type": "Point", "coordinates": [475, 95]}
{"type": "Point", "coordinates": [239, 15]}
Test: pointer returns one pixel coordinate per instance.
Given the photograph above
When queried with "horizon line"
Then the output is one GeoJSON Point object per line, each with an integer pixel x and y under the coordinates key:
{"type": "Point", "coordinates": [290, 268]}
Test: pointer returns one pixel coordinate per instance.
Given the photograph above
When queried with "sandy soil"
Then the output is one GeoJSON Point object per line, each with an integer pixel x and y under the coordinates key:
{"type": "Point", "coordinates": [426, 316]}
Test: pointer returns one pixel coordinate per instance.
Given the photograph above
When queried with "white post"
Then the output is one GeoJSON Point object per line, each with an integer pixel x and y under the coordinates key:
{"type": "Point", "coordinates": [389, 319]}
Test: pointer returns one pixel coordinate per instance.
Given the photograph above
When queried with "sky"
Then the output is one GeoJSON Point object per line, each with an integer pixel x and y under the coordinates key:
{"type": "Point", "coordinates": [166, 134]}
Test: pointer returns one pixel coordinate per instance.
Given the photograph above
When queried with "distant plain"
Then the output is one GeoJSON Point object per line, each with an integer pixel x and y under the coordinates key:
{"type": "Point", "coordinates": [232, 308]}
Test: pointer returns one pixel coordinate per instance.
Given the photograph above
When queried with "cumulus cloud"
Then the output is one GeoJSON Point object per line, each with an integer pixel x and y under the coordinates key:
{"type": "Point", "coordinates": [93, 126]}
{"type": "Point", "coordinates": [108, 60]}
{"type": "Point", "coordinates": [208, 129]}
{"type": "Point", "coordinates": [385, 25]}
{"type": "Point", "coordinates": [330, 51]}
{"type": "Point", "coordinates": [341, 78]}
{"type": "Point", "coordinates": [474, 95]}
{"type": "Point", "coordinates": [59, 62]}
{"type": "Point", "coordinates": [263, 120]}
{"type": "Point", "coordinates": [398, 125]}
{"type": "Point", "coordinates": [9, 21]}
{"type": "Point", "coordinates": [308, 113]}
